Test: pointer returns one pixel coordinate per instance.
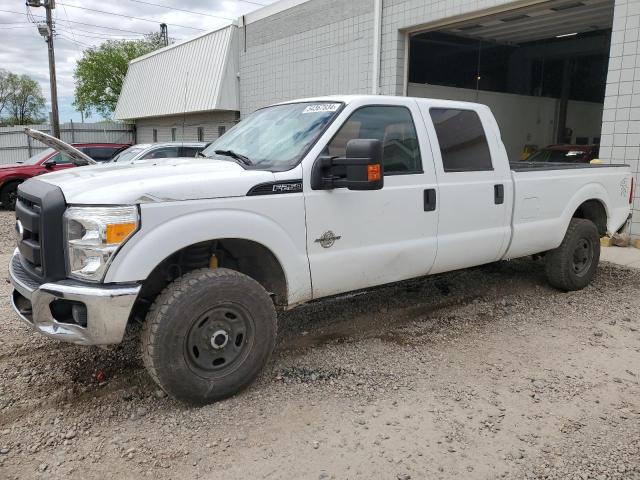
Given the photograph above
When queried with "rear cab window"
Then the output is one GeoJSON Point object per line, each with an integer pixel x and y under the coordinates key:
{"type": "Point", "coordinates": [462, 140]}
{"type": "Point", "coordinates": [101, 154]}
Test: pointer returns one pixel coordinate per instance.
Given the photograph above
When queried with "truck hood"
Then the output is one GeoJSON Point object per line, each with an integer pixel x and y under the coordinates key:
{"type": "Point", "coordinates": [169, 180]}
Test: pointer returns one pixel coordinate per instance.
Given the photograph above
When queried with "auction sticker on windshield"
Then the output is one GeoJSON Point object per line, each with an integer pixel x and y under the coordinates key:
{"type": "Point", "coordinates": [322, 107]}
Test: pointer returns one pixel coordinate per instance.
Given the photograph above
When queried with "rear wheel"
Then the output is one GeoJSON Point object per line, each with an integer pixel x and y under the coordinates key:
{"type": "Point", "coordinates": [208, 335]}
{"type": "Point", "coordinates": [9, 195]}
{"type": "Point", "coordinates": [573, 264]}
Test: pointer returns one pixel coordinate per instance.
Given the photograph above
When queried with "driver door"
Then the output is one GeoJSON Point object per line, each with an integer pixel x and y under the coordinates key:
{"type": "Point", "coordinates": [358, 239]}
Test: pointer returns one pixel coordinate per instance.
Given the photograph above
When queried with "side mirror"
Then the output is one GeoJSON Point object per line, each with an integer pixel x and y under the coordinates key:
{"type": "Point", "coordinates": [49, 164]}
{"type": "Point", "coordinates": [360, 169]}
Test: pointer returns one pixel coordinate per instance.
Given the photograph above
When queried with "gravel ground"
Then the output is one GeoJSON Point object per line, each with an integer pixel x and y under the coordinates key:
{"type": "Point", "coordinates": [485, 373]}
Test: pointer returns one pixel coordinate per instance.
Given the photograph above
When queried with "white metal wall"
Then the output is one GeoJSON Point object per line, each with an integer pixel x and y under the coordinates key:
{"type": "Point", "coordinates": [320, 47]}
{"type": "Point", "coordinates": [15, 146]}
{"type": "Point", "coordinates": [188, 123]}
{"type": "Point", "coordinates": [194, 76]}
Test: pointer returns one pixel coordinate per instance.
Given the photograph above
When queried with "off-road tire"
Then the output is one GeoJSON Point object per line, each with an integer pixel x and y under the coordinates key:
{"type": "Point", "coordinates": [170, 334]}
{"type": "Point", "coordinates": [563, 271]}
{"type": "Point", "coordinates": [9, 195]}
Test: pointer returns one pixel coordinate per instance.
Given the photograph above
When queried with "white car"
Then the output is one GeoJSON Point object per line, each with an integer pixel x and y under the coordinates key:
{"type": "Point", "coordinates": [153, 151]}
{"type": "Point", "coordinates": [299, 201]}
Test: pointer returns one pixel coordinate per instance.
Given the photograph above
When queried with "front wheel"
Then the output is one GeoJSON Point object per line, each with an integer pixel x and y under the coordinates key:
{"type": "Point", "coordinates": [573, 264]}
{"type": "Point", "coordinates": [208, 335]}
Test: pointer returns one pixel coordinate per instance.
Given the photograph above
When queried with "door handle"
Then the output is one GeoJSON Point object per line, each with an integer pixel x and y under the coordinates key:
{"type": "Point", "coordinates": [430, 200]}
{"type": "Point", "coordinates": [498, 194]}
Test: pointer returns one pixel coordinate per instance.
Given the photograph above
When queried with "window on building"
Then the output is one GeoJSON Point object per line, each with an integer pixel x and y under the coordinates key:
{"type": "Point", "coordinates": [463, 143]}
{"type": "Point", "coordinates": [155, 135]}
{"type": "Point", "coordinates": [221, 130]}
{"type": "Point", "coordinates": [200, 134]}
{"type": "Point", "coordinates": [393, 126]}
{"type": "Point", "coordinates": [174, 132]}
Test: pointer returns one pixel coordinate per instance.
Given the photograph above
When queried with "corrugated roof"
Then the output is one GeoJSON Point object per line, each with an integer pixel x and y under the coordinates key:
{"type": "Point", "coordinates": [194, 76]}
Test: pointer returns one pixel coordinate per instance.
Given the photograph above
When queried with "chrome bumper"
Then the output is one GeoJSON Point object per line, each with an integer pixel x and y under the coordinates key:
{"type": "Point", "coordinates": [107, 307]}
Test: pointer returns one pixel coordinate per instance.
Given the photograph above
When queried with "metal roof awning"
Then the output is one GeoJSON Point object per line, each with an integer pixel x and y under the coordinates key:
{"type": "Point", "coordinates": [194, 76]}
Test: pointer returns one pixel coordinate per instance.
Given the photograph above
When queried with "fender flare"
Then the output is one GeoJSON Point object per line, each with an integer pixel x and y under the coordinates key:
{"type": "Point", "coordinates": [154, 243]}
{"type": "Point", "coordinates": [590, 191]}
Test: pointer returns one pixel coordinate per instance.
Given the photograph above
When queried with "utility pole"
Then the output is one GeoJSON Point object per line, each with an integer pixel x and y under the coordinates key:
{"type": "Point", "coordinates": [47, 31]}
{"type": "Point", "coordinates": [164, 34]}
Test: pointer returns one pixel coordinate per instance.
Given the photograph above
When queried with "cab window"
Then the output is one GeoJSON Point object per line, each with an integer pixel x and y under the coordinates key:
{"type": "Point", "coordinates": [164, 152]}
{"type": "Point", "coordinates": [393, 126]}
{"type": "Point", "coordinates": [463, 143]}
{"type": "Point", "coordinates": [60, 159]}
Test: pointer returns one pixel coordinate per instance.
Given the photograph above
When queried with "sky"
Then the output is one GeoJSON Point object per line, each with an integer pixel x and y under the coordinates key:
{"type": "Point", "coordinates": [24, 51]}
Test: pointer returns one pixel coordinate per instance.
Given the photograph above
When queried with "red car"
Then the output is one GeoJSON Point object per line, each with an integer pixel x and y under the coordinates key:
{"type": "Point", "coordinates": [46, 161]}
{"type": "Point", "coordinates": [566, 154]}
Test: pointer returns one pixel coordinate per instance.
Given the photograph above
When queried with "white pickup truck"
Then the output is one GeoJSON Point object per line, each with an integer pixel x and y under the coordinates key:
{"type": "Point", "coordinates": [299, 201]}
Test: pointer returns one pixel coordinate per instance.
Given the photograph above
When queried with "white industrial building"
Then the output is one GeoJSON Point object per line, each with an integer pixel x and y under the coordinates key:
{"type": "Point", "coordinates": [552, 71]}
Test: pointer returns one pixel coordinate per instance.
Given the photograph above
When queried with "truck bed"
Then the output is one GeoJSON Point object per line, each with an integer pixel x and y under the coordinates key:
{"type": "Point", "coordinates": [524, 166]}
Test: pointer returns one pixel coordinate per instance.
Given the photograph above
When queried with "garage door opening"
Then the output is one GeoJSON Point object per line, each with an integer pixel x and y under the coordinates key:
{"type": "Point", "coordinates": [542, 70]}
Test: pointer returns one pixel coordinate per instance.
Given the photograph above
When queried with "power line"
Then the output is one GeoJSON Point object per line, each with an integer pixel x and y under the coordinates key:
{"type": "Point", "coordinates": [253, 3]}
{"type": "Point", "coordinates": [130, 17]}
{"type": "Point", "coordinates": [103, 34]}
{"type": "Point", "coordinates": [183, 10]}
{"type": "Point", "coordinates": [78, 23]}
{"type": "Point", "coordinates": [70, 27]}
{"type": "Point", "coordinates": [85, 45]}
{"type": "Point", "coordinates": [121, 37]}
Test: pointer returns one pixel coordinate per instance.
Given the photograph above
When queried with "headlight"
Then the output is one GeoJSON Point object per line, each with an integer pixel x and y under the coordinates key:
{"type": "Point", "coordinates": [93, 235]}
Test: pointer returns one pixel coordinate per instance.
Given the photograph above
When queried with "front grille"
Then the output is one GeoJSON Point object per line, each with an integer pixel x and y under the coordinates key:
{"type": "Point", "coordinates": [39, 210]}
{"type": "Point", "coordinates": [28, 214]}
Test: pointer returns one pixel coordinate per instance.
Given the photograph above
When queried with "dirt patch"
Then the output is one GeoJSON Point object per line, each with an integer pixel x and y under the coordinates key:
{"type": "Point", "coordinates": [484, 373]}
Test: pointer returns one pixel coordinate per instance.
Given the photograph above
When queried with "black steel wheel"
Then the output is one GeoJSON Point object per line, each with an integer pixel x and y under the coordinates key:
{"type": "Point", "coordinates": [219, 339]}
{"type": "Point", "coordinates": [208, 335]}
{"type": "Point", "coordinates": [573, 264]}
{"type": "Point", "coordinates": [582, 256]}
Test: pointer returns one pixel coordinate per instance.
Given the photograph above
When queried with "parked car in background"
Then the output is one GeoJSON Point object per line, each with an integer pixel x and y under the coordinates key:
{"type": "Point", "coordinates": [566, 154]}
{"type": "Point", "coordinates": [148, 151]}
{"type": "Point", "coordinates": [49, 160]}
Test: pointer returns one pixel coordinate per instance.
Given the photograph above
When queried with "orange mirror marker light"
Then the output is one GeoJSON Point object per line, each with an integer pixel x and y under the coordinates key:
{"type": "Point", "coordinates": [374, 172]}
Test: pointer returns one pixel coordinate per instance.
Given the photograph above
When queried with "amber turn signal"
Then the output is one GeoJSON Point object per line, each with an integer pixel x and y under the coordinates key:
{"type": "Point", "coordinates": [118, 232]}
{"type": "Point", "coordinates": [374, 172]}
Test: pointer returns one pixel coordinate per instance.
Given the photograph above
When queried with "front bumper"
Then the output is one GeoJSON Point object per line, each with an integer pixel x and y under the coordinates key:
{"type": "Point", "coordinates": [107, 307]}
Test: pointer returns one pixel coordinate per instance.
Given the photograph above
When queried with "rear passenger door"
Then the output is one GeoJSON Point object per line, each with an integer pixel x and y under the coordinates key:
{"type": "Point", "coordinates": [474, 186]}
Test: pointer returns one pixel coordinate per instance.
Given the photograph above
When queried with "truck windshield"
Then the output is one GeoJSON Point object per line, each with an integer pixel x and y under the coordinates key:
{"type": "Point", "coordinates": [275, 138]}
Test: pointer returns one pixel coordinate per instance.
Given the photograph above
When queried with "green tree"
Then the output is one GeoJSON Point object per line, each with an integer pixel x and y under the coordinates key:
{"type": "Point", "coordinates": [21, 99]}
{"type": "Point", "coordinates": [101, 70]}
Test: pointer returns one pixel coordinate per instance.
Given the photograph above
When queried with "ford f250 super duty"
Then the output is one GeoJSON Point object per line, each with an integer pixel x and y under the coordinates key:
{"type": "Point", "coordinates": [299, 201]}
